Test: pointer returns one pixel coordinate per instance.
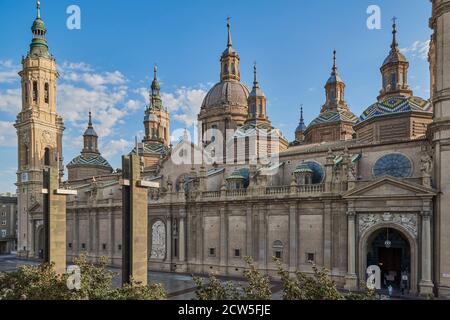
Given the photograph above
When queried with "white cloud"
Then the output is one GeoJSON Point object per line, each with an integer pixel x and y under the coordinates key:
{"type": "Point", "coordinates": [11, 100]}
{"type": "Point", "coordinates": [8, 71]}
{"type": "Point", "coordinates": [115, 147]}
{"type": "Point", "coordinates": [419, 49]}
{"type": "Point", "coordinates": [184, 104]}
{"type": "Point", "coordinates": [8, 137]}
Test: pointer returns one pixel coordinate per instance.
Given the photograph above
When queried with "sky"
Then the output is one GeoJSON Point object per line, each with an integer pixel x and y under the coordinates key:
{"type": "Point", "coordinates": [107, 65]}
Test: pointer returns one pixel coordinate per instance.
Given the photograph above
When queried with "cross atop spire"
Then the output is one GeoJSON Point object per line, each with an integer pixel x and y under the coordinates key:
{"type": "Point", "coordinates": [334, 62]}
{"type": "Point", "coordinates": [229, 32]}
{"type": "Point", "coordinates": [394, 45]}
{"type": "Point", "coordinates": [38, 7]}
{"type": "Point", "coordinates": [90, 119]}
{"type": "Point", "coordinates": [255, 80]}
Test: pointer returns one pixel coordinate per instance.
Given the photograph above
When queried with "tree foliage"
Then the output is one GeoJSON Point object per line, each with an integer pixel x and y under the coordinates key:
{"type": "Point", "coordinates": [302, 286]}
{"type": "Point", "coordinates": [43, 283]}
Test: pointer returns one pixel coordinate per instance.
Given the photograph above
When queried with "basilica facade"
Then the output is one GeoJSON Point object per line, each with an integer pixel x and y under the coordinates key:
{"type": "Point", "coordinates": [351, 191]}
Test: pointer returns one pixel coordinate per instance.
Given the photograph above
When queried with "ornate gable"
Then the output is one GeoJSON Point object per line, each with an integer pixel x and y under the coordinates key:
{"type": "Point", "coordinates": [390, 187]}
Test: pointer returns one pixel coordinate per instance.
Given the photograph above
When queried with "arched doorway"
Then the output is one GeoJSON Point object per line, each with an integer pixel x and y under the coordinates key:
{"type": "Point", "coordinates": [389, 249]}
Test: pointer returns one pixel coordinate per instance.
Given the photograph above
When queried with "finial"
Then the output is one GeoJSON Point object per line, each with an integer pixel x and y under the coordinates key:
{"type": "Point", "coordinates": [229, 32]}
{"type": "Point", "coordinates": [255, 80]}
{"type": "Point", "coordinates": [334, 62]}
{"type": "Point", "coordinates": [90, 119]}
{"type": "Point", "coordinates": [394, 45]}
{"type": "Point", "coordinates": [155, 69]}
{"type": "Point", "coordinates": [38, 7]}
{"type": "Point", "coordinates": [301, 113]}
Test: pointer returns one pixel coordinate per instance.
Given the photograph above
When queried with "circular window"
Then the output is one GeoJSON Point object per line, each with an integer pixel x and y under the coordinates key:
{"type": "Point", "coordinates": [395, 165]}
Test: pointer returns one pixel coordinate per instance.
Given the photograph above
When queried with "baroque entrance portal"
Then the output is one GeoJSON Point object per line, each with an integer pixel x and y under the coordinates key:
{"type": "Point", "coordinates": [390, 250]}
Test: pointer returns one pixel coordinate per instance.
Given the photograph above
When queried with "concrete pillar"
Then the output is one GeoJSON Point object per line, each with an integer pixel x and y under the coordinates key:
{"type": "Point", "coordinates": [351, 280]}
{"type": "Point", "coordinates": [134, 222]}
{"type": "Point", "coordinates": [426, 284]}
{"type": "Point", "coordinates": [54, 205]}
{"type": "Point", "coordinates": [76, 234]}
{"type": "Point", "coordinates": [293, 236]}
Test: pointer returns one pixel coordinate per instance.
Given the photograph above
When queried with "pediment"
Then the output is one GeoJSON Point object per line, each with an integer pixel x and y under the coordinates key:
{"type": "Point", "coordinates": [390, 187]}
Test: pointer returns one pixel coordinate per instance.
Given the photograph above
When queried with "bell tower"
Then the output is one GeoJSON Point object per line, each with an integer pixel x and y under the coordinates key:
{"type": "Point", "coordinates": [439, 132]}
{"type": "Point", "coordinates": [39, 132]}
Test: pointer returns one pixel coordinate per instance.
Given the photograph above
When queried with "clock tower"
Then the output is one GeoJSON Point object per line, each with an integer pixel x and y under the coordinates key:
{"type": "Point", "coordinates": [39, 132]}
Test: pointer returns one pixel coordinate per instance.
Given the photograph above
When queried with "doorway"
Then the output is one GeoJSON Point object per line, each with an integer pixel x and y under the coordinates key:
{"type": "Point", "coordinates": [391, 251]}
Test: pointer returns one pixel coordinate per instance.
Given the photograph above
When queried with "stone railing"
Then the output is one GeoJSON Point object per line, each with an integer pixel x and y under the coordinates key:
{"type": "Point", "coordinates": [311, 188]}
{"type": "Point", "coordinates": [237, 193]}
{"type": "Point", "coordinates": [277, 190]}
{"type": "Point", "coordinates": [211, 194]}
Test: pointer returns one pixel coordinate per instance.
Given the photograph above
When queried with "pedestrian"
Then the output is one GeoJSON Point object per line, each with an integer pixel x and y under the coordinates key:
{"type": "Point", "coordinates": [404, 282]}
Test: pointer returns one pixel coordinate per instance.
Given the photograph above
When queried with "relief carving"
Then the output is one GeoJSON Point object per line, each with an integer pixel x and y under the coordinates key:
{"type": "Point", "coordinates": [407, 221]}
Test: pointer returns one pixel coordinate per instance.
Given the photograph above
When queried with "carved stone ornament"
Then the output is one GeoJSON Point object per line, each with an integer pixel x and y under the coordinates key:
{"type": "Point", "coordinates": [46, 137]}
{"type": "Point", "coordinates": [407, 221]}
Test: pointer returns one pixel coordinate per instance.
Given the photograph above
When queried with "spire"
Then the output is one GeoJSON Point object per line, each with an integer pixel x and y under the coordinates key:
{"type": "Point", "coordinates": [38, 46]}
{"type": "Point", "coordinates": [155, 69]}
{"type": "Point", "coordinates": [334, 69]}
{"type": "Point", "coordinates": [301, 115]}
{"type": "Point", "coordinates": [394, 45]}
{"type": "Point", "coordinates": [301, 125]}
{"type": "Point", "coordinates": [90, 138]}
{"type": "Point", "coordinates": [230, 43]}
{"type": "Point", "coordinates": [90, 119]}
{"type": "Point", "coordinates": [38, 8]}
{"type": "Point", "coordinates": [255, 80]}
{"type": "Point", "coordinates": [155, 84]}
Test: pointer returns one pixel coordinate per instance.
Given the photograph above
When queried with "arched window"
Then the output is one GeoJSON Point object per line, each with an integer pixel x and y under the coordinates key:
{"type": "Point", "coordinates": [47, 157]}
{"type": "Point", "coordinates": [35, 91]}
{"type": "Point", "coordinates": [26, 156]}
{"type": "Point", "coordinates": [225, 68]}
{"type": "Point", "coordinates": [46, 92]}
{"type": "Point", "coordinates": [233, 68]}
{"type": "Point", "coordinates": [25, 87]}
{"type": "Point", "coordinates": [393, 81]}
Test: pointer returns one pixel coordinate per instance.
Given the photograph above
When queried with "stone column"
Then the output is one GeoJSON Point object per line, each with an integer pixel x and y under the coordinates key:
{"type": "Point", "coordinates": [426, 284]}
{"type": "Point", "coordinates": [249, 228]}
{"type": "Point", "coordinates": [439, 130]}
{"type": "Point", "coordinates": [110, 245]}
{"type": "Point", "coordinates": [327, 236]}
{"type": "Point", "coordinates": [223, 239]}
{"type": "Point", "coordinates": [76, 233]}
{"type": "Point", "coordinates": [293, 236]}
{"type": "Point", "coordinates": [351, 280]}
{"type": "Point", "coordinates": [262, 238]}
{"type": "Point", "coordinates": [182, 236]}
{"type": "Point", "coordinates": [169, 239]}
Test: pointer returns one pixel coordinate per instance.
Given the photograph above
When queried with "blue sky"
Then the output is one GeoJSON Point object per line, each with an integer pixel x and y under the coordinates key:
{"type": "Point", "coordinates": [107, 65]}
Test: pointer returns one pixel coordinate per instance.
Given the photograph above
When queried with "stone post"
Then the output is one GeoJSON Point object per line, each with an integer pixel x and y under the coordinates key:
{"type": "Point", "coordinates": [351, 280]}
{"type": "Point", "coordinates": [54, 211]}
{"type": "Point", "coordinates": [134, 221]}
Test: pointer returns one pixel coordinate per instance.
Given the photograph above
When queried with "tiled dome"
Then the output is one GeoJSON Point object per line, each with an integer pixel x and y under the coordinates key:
{"type": "Point", "coordinates": [395, 105]}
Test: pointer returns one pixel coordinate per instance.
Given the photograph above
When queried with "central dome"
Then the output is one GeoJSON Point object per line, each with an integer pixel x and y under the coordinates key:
{"type": "Point", "coordinates": [226, 93]}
